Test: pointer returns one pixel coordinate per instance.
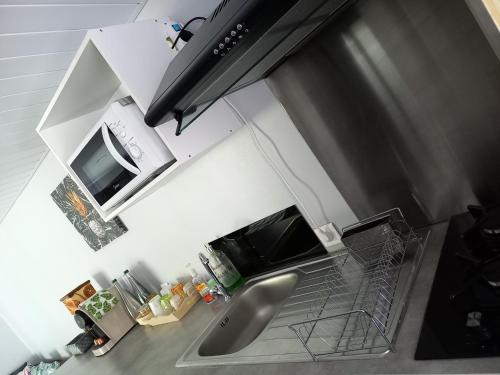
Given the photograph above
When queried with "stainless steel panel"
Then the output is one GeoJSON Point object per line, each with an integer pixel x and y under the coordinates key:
{"type": "Point", "coordinates": [399, 100]}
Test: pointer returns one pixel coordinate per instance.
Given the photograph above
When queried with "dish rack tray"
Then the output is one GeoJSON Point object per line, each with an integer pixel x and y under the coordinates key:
{"type": "Point", "coordinates": [359, 298]}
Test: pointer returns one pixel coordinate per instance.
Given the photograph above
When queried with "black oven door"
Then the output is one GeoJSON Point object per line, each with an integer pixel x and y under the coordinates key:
{"type": "Point", "coordinates": [104, 166]}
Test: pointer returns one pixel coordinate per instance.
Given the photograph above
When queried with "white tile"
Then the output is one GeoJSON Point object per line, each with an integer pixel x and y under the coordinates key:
{"type": "Point", "coordinates": [18, 134]}
{"type": "Point", "coordinates": [35, 111]}
{"type": "Point", "coordinates": [12, 45]}
{"type": "Point", "coordinates": [8, 172]}
{"type": "Point", "coordinates": [23, 157]}
{"type": "Point", "coordinates": [32, 2]}
{"type": "Point", "coordinates": [13, 179]}
{"type": "Point", "coordinates": [18, 66]}
{"type": "Point", "coordinates": [21, 144]}
{"type": "Point", "coordinates": [26, 99]}
{"type": "Point", "coordinates": [25, 19]}
{"type": "Point", "coordinates": [17, 85]}
{"type": "Point", "coordinates": [29, 123]}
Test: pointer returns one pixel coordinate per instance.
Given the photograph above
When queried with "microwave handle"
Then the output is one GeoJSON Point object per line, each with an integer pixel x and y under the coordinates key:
{"type": "Point", "coordinates": [116, 155]}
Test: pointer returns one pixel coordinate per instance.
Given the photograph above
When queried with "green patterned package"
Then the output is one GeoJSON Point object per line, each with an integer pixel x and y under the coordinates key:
{"type": "Point", "coordinates": [99, 304]}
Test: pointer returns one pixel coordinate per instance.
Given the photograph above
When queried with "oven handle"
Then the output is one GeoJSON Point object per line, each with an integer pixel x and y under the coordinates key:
{"type": "Point", "coordinates": [115, 154]}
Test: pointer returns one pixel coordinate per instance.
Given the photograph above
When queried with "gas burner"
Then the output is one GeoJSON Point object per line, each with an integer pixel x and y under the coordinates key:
{"type": "Point", "coordinates": [462, 319]}
{"type": "Point", "coordinates": [480, 253]}
{"type": "Point", "coordinates": [491, 273]}
{"type": "Point", "coordinates": [474, 319]}
{"type": "Point", "coordinates": [483, 238]}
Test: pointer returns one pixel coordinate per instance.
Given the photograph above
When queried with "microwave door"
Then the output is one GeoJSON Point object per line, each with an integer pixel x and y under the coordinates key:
{"type": "Point", "coordinates": [115, 154]}
{"type": "Point", "coordinates": [104, 166]}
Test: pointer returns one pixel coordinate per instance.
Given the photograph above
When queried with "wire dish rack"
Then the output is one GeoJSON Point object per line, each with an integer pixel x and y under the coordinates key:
{"type": "Point", "coordinates": [354, 304]}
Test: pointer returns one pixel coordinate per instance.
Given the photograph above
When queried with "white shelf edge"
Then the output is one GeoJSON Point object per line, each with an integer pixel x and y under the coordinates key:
{"type": "Point", "coordinates": [61, 86]}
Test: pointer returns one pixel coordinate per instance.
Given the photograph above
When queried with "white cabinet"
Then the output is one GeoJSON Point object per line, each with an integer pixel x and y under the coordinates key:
{"type": "Point", "coordinates": [111, 63]}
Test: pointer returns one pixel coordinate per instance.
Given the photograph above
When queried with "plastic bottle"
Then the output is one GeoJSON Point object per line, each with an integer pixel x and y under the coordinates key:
{"type": "Point", "coordinates": [165, 289]}
{"type": "Point", "coordinates": [176, 301]}
{"type": "Point", "coordinates": [178, 288]}
{"type": "Point", "coordinates": [200, 284]}
{"type": "Point", "coordinates": [189, 289]}
{"type": "Point", "coordinates": [224, 269]}
{"type": "Point", "coordinates": [165, 296]}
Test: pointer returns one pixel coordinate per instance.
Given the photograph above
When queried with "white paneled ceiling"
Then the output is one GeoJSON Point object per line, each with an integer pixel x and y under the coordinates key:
{"type": "Point", "coordinates": [38, 39]}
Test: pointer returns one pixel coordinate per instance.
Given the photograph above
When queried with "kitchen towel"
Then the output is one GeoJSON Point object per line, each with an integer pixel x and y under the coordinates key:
{"type": "Point", "coordinates": [99, 304]}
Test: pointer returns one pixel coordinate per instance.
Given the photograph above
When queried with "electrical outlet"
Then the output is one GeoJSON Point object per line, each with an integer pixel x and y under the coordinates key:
{"type": "Point", "coordinates": [328, 235]}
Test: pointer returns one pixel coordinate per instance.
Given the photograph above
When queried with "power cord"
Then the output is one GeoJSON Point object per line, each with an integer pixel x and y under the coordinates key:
{"type": "Point", "coordinates": [250, 124]}
{"type": "Point", "coordinates": [184, 34]}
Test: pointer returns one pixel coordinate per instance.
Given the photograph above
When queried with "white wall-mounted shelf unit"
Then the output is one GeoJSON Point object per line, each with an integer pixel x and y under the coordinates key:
{"type": "Point", "coordinates": [112, 63]}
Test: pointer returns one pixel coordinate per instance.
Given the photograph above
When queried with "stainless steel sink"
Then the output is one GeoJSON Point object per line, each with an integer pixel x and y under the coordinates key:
{"type": "Point", "coordinates": [267, 320]}
{"type": "Point", "coordinates": [241, 326]}
{"type": "Point", "coordinates": [248, 314]}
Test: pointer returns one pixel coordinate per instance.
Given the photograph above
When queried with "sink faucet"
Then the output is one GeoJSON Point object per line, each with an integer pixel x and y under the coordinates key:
{"type": "Point", "coordinates": [219, 288]}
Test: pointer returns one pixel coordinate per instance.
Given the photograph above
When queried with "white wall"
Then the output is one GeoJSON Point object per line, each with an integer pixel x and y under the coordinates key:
{"type": "Point", "coordinates": [44, 257]}
{"type": "Point", "coordinates": [179, 10]}
{"type": "Point", "coordinates": [13, 352]}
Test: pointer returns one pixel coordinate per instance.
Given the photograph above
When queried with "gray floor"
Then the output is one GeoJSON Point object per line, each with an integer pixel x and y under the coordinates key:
{"type": "Point", "coordinates": [154, 350]}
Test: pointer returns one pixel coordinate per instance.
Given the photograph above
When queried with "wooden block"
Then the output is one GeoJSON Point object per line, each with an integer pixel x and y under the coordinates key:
{"type": "Point", "coordinates": [187, 304]}
{"type": "Point", "coordinates": [493, 7]}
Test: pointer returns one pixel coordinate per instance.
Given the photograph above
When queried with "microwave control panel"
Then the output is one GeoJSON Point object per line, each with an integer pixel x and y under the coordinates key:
{"type": "Point", "coordinates": [120, 132]}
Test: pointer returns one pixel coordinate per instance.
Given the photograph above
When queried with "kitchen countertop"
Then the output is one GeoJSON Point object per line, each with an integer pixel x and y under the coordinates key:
{"type": "Point", "coordinates": [155, 350]}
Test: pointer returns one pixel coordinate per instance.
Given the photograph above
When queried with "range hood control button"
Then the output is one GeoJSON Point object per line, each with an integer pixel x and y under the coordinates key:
{"type": "Point", "coordinates": [221, 45]}
{"type": "Point", "coordinates": [216, 51]}
{"type": "Point", "coordinates": [239, 26]}
{"type": "Point", "coordinates": [233, 33]}
{"type": "Point", "coordinates": [227, 39]}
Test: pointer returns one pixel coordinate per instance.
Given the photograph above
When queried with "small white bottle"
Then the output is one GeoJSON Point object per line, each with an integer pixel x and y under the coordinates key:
{"type": "Point", "coordinates": [165, 297]}
{"type": "Point", "coordinates": [200, 284]}
{"type": "Point", "coordinates": [156, 306]}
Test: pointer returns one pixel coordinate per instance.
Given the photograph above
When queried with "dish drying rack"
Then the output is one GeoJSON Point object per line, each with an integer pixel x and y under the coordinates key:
{"type": "Point", "coordinates": [353, 305]}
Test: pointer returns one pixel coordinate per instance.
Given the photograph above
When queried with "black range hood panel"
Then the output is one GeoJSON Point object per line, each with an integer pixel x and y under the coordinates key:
{"type": "Point", "coordinates": [241, 42]}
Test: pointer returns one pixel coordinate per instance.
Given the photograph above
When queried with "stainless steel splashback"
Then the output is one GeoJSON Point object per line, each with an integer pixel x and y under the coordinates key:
{"type": "Point", "coordinates": [400, 102]}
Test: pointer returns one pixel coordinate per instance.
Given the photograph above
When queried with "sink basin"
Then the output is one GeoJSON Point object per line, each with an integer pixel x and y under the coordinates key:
{"type": "Point", "coordinates": [247, 316]}
{"type": "Point", "coordinates": [310, 311]}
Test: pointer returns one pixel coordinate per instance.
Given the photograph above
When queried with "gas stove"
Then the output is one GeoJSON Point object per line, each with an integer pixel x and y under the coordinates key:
{"type": "Point", "coordinates": [462, 319]}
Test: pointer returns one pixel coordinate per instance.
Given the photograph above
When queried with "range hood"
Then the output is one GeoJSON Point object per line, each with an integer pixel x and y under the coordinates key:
{"type": "Point", "coordinates": [238, 44]}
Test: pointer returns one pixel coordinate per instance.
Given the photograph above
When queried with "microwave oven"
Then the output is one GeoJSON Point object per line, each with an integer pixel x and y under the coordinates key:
{"type": "Point", "coordinates": [119, 155]}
